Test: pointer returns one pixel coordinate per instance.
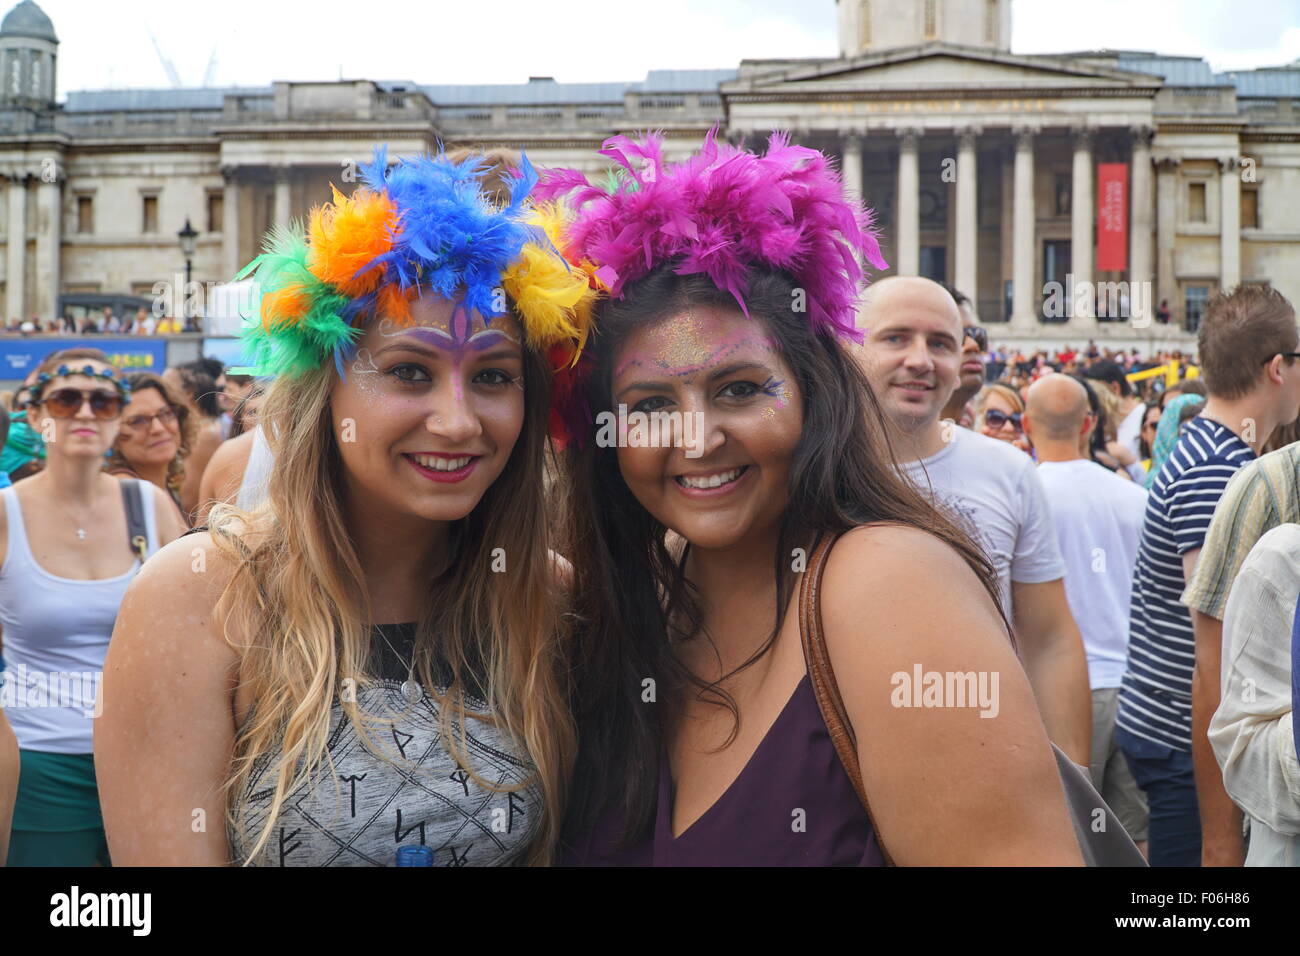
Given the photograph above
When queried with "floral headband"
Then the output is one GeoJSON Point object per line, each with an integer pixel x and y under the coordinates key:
{"type": "Point", "coordinates": [719, 213]}
{"type": "Point", "coordinates": [425, 225]}
{"type": "Point", "coordinates": [109, 374]}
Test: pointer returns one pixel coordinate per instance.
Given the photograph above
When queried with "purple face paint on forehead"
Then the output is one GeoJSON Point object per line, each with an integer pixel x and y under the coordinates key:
{"type": "Point", "coordinates": [459, 343]}
{"type": "Point", "coordinates": [457, 336]}
{"type": "Point", "coordinates": [685, 347]}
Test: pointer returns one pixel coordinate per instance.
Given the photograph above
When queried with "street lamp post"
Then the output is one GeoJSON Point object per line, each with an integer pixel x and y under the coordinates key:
{"type": "Point", "coordinates": [187, 236]}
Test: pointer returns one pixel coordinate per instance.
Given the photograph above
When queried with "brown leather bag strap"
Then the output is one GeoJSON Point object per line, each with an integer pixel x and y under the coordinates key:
{"type": "Point", "coordinates": [822, 676]}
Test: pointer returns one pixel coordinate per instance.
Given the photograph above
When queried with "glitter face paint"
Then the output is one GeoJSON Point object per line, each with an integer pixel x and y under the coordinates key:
{"type": "Point", "coordinates": [427, 414]}
{"type": "Point", "coordinates": [687, 345]}
{"type": "Point", "coordinates": [724, 367]}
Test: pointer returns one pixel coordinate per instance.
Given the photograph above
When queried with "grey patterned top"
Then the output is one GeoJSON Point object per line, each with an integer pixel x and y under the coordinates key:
{"type": "Point", "coordinates": [359, 814]}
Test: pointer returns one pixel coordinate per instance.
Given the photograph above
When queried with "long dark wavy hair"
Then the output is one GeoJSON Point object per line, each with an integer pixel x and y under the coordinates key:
{"type": "Point", "coordinates": [633, 599]}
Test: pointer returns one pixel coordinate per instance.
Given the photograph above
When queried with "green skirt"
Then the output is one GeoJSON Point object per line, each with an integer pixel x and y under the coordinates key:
{"type": "Point", "coordinates": [57, 821]}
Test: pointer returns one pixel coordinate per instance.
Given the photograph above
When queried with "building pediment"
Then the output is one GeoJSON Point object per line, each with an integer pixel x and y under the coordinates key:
{"type": "Point", "coordinates": [935, 68]}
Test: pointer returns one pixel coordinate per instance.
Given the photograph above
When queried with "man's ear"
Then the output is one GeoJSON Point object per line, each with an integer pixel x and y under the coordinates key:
{"type": "Point", "coordinates": [1088, 421]}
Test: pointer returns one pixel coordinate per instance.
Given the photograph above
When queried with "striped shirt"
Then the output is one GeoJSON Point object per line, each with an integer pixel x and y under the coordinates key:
{"type": "Point", "coordinates": [1263, 495]}
{"type": "Point", "coordinates": [1155, 699]}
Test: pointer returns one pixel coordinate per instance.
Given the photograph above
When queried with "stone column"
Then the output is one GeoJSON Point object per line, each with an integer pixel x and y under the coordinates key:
{"type": "Point", "coordinates": [1166, 225]}
{"type": "Point", "coordinates": [1140, 226]}
{"type": "Point", "coordinates": [908, 227]}
{"type": "Point", "coordinates": [230, 259]}
{"type": "Point", "coordinates": [1024, 311]}
{"type": "Point", "coordinates": [1081, 234]}
{"type": "Point", "coordinates": [282, 207]}
{"type": "Point", "coordinates": [16, 248]}
{"type": "Point", "coordinates": [49, 234]}
{"type": "Point", "coordinates": [1229, 223]}
{"type": "Point", "coordinates": [965, 271]}
{"type": "Point", "coordinates": [851, 163]}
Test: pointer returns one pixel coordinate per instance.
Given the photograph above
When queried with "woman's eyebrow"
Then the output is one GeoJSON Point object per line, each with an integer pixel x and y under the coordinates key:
{"type": "Point", "coordinates": [646, 386]}
{"type": "Point", "coordinates": [735, 367]}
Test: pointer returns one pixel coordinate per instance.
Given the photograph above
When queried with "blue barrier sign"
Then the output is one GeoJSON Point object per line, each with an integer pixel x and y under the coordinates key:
{"type": "Point", "coordinates": [19, 356]}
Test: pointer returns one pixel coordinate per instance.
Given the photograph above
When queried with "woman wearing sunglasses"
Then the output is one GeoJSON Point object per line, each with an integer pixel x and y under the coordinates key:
{"type": "Point", "coordinates": [66, 558]}
{"type": "Point", "coordinates": [999, 414]}
{"type": "Point", "coordinates": [155, 438]}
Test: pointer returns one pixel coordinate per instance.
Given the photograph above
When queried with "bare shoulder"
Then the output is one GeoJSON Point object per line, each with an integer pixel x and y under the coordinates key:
{"type": "Point", "coordinates": [185, 578]}
{"type": "Point", "coordinates": [168, 519]}
{"type": "Point", "coordinates": [233, 453]}
{"type": "Point", "coordinates": [894, 574]}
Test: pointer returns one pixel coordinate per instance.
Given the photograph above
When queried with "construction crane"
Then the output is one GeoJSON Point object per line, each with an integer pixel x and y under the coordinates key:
{"type": "Point", "coordinates": [172, 75]}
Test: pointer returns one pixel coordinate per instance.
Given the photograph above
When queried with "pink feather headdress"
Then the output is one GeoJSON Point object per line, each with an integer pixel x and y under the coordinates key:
{"type": "Point", "coordinates": [720, 212]}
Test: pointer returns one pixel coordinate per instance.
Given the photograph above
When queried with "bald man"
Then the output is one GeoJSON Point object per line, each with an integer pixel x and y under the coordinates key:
{"type": "Point", "coordinates": [912, 354]}
{"type": "Point", "coordinates": [1098, 518]}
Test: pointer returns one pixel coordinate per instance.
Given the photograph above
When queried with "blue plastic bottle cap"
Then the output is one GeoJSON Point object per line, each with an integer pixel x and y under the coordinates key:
{"type": "Point", "coordinates": [414, 856]}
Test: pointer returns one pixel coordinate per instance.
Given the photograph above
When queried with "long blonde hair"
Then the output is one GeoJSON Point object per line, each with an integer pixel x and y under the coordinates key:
{"type": "Point", "coordinates": [299, 595]}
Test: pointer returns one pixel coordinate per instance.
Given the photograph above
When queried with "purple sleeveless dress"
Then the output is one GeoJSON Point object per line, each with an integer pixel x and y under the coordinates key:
{"type": "Point", "coordinates": [792, 805]}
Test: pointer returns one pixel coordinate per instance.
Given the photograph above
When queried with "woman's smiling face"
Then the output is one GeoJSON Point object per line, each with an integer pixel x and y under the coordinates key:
{"type": "Point", "coordinates": [724, 370]}
{"type": "Point", "coordinates": [428, 414]}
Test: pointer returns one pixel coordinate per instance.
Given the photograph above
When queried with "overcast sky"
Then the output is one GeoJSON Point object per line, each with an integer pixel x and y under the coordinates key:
{"type": "Point", "coordinates": [108, 45]}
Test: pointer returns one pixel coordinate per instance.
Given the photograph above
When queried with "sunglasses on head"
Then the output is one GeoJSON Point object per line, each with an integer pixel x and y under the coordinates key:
{"type": "Point", "coordinates": [66, 402]}
{"type": "Point", "coordinates": [979, 336]}
{"type": "Point", "coordinates": [997, 419]}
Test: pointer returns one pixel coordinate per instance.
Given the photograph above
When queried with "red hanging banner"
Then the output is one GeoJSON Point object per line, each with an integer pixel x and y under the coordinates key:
{"type": "Point", "coordinates": [1112, 216]}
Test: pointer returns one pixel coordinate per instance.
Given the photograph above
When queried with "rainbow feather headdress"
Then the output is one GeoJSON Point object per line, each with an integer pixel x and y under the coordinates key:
{"type": "Point", "coordinates": [720, 212]}
{"type": "Point", "coordinates": [425, 225]}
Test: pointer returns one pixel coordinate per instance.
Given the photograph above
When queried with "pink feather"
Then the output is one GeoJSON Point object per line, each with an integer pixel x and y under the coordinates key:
{"type": "Point", "coordinates": [720, 212]}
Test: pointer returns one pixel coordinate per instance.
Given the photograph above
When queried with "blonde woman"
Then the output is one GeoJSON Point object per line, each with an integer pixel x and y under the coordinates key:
{"type": "Point", "coordinates": [370, 661]}
{"type": "Point", "coordinates": [999, 413]}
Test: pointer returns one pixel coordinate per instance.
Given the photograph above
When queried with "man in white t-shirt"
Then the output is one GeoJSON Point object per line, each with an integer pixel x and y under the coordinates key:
{"type": "Point", "coordinates": [912, 357]}
{"type": "Point", "coordinates": [1098, 518]}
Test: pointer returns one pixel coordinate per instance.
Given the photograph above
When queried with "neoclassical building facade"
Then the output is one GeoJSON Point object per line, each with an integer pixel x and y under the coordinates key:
{"type": "Point", "coordinates": [1065, 194]}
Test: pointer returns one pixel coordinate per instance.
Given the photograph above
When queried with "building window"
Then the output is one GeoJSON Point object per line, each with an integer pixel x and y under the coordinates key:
{"type": "Point", "coordinates": [931, 16]}
{"type": "Point", "coordinates": [85, 214]}
{"type": "Point", "coordinates": [150, 217]}
{"type": "Point", "coordinates": [991, 21]}
{"type": "Point", "coordinates": [1196, 202]}
{"type": "Point", "coordinates": [216, 210]}
{"type": "Point", "coordinates": [1250, 209]}
{"type": "Point", "coordinates": [1194, 299]}
{"type": "Point", "coordinates": [864, 24]}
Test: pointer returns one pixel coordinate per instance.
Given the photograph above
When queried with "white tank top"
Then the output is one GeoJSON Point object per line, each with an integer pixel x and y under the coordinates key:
{"type": "Point", "coordinates": [56, 633]}
{"type": "Point", "coordinates": [252, 490]}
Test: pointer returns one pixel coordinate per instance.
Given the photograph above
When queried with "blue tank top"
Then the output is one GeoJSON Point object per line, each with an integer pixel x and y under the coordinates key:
{"type": "Point", "coordinates": [792, 805]}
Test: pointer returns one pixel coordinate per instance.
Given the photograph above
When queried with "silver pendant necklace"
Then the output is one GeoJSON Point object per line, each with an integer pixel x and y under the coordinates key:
{"type": "Point", "coordinates": [411, 689]}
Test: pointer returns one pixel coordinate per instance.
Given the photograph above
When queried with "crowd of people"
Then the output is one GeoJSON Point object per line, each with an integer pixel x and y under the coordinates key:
{"type": "Point", "coordinates": [140, 322]}
{"type": "Point", "coordinates": [906, 597]}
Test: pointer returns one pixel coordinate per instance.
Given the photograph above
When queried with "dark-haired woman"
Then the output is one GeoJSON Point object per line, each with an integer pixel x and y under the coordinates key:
{"type": "Point", "coordinates": [66, 558]}
{"type": "Point", "coordinates": [154, 439]}
{"type": "Point", "coordinates": [195, 383]}
{"type": "Point", "coordinates": [701, 737]}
